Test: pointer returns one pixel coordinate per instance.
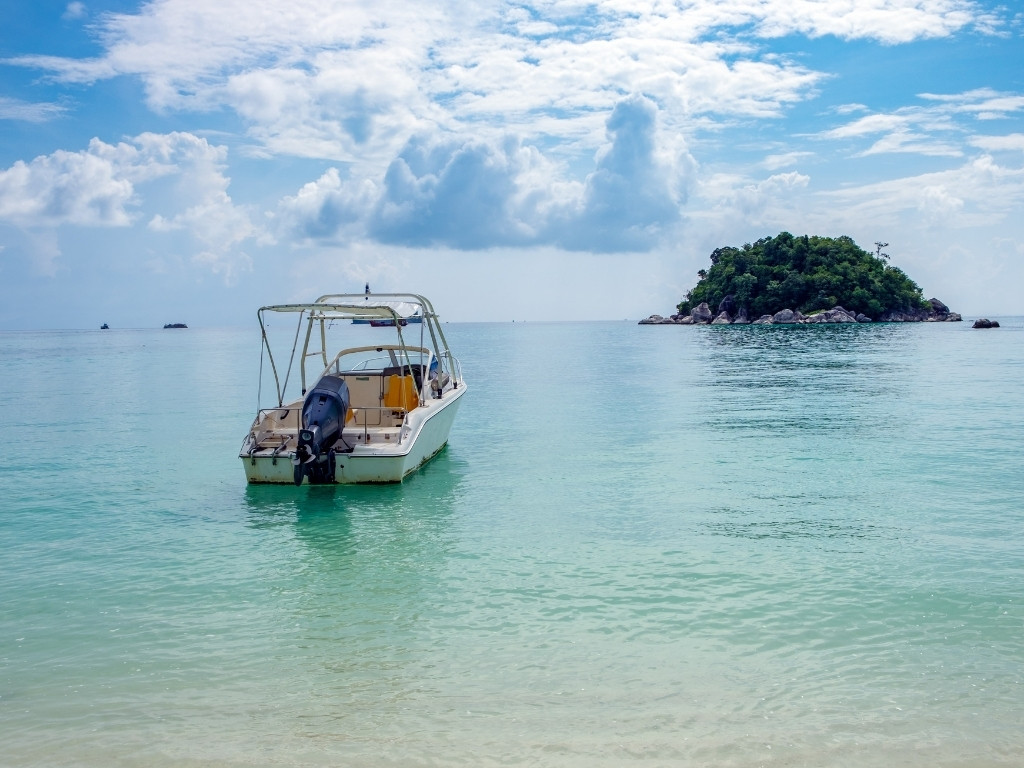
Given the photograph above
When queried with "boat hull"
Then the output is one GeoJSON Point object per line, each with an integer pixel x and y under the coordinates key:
{"type": "Point", "coordinates": [377, 456]}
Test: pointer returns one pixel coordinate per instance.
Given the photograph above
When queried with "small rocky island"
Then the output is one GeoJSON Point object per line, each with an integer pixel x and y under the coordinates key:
{"type": "Point", "coordinates": [787, 280]}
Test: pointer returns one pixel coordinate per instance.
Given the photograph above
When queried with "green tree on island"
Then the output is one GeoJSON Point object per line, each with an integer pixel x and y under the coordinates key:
{"type": "Point", "coordinates": [808, 274]}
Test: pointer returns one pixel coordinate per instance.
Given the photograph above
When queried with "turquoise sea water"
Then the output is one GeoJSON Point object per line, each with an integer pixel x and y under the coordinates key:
{"type": "Point", "coordinates": [660, 546]}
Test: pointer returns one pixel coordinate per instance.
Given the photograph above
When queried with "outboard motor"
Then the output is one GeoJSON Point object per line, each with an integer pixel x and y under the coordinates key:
{"type": "Point", "coordinates": [323, 417]}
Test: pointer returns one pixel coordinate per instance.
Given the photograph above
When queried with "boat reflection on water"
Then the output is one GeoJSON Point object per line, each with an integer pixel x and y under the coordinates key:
{"type": "Point", "coordinates": [336, 521]}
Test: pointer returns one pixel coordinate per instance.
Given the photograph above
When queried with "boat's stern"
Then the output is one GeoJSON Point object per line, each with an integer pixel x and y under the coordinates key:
{"type": "Point", "coordinates": [268, 469]}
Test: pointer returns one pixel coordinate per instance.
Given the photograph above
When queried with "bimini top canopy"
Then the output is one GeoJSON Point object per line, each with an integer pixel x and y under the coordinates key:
{"type": "Point", "coordinates": [390, 306]}
{"type": "Point", "coordinates": [394, 307]}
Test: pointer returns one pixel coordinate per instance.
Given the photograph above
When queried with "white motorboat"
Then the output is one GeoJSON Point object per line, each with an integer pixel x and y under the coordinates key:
{"type": "Point", "coordinates": [373, 413]}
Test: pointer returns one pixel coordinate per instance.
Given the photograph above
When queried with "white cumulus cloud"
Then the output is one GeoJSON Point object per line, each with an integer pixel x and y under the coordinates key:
{"type": "Point", "coordinates": [66, 187]}
{"type": "Point", "coordinates": [470, 194]}
{"type": "Point", "coordinates": [322, 209]}
{"type": "Point", "coordinates": [103, 186]}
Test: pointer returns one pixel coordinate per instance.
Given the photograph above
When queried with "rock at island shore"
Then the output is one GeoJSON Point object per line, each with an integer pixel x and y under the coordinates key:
{"type": "Point", "coordinates": [701, 313]}
{"type": "Point", "coordinates": [787, 317]}
{"type": "Point", "coordinates": [657, 320]}
{"type": "Point", "coordinates": [834, 315]}
{"type": "Point", "coordinates": [737, 315]}
{"type": "Point", "coordinates": [984, 322]}
{"type": "Point", "coordinates": [936, 313]}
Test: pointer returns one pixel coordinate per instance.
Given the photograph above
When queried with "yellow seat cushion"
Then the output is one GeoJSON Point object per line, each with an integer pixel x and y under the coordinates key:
{"type": "Point", "coordinates": [401, 393]}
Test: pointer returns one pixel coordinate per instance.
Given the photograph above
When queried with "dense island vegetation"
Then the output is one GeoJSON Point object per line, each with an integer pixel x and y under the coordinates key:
{"type": "Point", "coordinates": [807, 274]}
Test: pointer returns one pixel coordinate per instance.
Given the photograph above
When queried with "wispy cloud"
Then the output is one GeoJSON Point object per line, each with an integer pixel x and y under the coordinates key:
{"type": "Point", "coordinates": [982, 103]}
{"type": "Point", "coordinates": [931, 128]}
{"type": "Point", "coordinates": [13, 109]}
{"type": "Point", "coordinates": [888, 21]}
{"type": "Point", "coordinates": [980, 192]}
{"type": "Point", "coordinates": [1010, 142]}
{"type": "Point", "coordinates": [75, 11]}
{"type": "Point", "coordinates": [329, 79]}
{"type": "Point", "coordinates": [784, 160]}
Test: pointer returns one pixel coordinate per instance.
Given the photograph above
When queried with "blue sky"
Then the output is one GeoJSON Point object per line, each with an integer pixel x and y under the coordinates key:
{"type": "Point", "coordinates": [183, 160]}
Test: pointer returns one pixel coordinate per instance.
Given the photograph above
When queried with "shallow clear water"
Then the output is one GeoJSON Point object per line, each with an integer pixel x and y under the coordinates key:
{"type": "Point", "coordinates": [643, 545]}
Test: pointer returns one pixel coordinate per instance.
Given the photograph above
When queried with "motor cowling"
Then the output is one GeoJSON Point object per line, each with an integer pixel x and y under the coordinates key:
{"type": "Point", "coordinates": [323, 417]}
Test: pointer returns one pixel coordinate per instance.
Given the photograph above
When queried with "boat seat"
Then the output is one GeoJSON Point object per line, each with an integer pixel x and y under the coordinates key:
{"type": "Point", "coordinates": [400, 393]}
{"type": "Point", "coordinates": [405, 370]}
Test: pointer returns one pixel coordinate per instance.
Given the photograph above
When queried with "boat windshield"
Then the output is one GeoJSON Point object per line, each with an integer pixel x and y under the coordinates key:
{"type": "Point", "coordinates": [379, 359]}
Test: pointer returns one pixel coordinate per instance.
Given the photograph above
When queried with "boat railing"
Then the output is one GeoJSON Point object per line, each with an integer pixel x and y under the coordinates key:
{"type": "Point", "coordinates": [271, 428]}
{"type": "Point", "coordinates": [276, 422]}
{"type": "Point", "coordinates": [381, 431]}
{"type": "Point", "coordinates": [454, 366]}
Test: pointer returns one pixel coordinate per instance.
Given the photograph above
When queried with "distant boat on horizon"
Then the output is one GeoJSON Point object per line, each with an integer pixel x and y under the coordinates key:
{"type": "Point", "coordinates": [104, 327]}
{"type": "Point", "coordinates": [175, 325]}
